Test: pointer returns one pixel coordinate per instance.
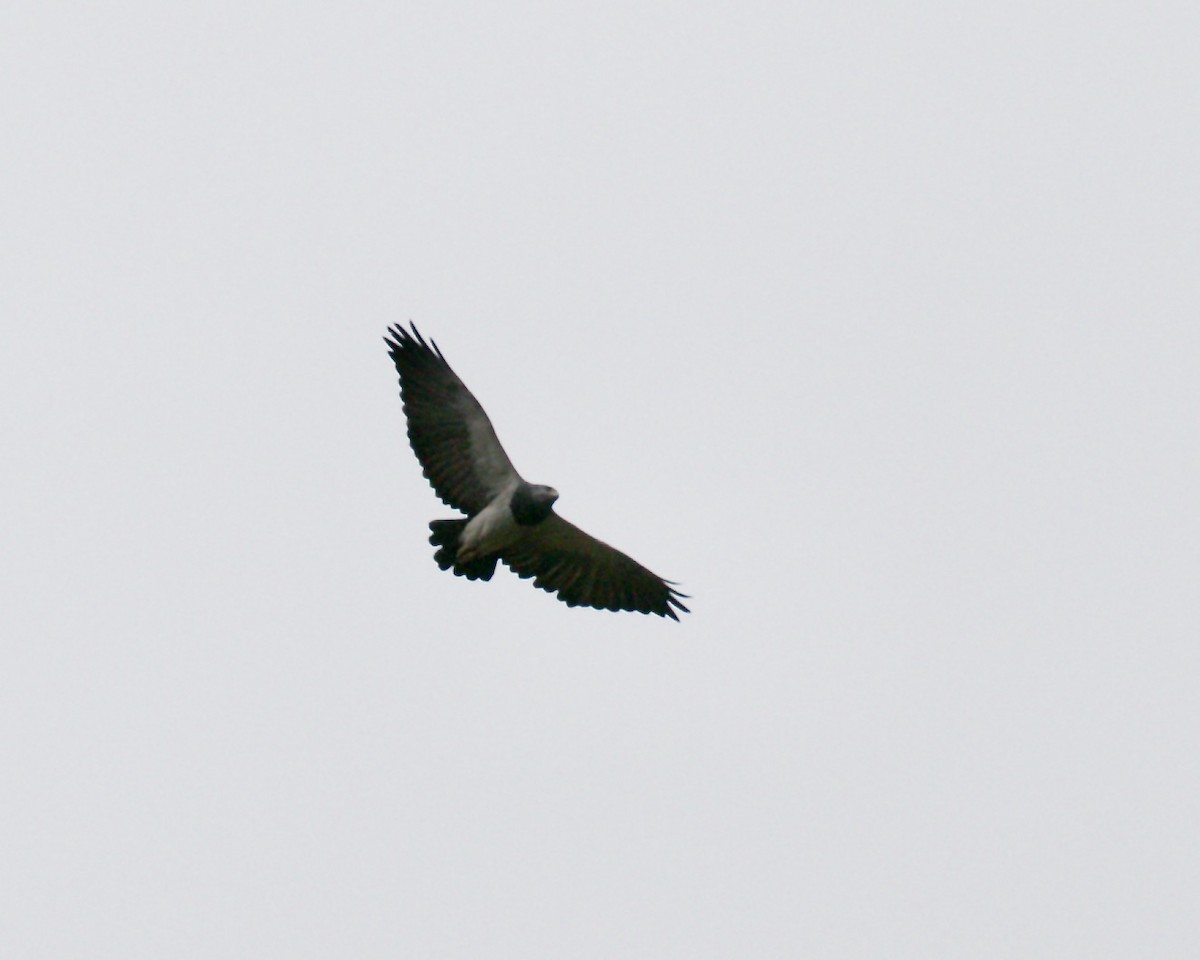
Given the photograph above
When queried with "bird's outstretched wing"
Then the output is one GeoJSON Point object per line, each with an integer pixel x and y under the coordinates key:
{"type": "Point", "coordinates": [448, 430]}
{"type": "Point", "coordinates": [583, 571]}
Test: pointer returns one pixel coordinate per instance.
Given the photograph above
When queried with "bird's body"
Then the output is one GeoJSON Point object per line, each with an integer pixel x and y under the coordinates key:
{"type": "Point", "coordinates": [508, 519]}
{"type": "Point", "coordinates": [491, 530]}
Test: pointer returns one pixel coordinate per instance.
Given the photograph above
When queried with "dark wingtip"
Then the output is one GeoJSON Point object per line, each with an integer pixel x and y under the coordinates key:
{"type": "Point", "coordinates": [410, 339]}
{"type": "Point", "coordinates": [398, 341]}
{"type": "Point", "coordinates": [673, 601]}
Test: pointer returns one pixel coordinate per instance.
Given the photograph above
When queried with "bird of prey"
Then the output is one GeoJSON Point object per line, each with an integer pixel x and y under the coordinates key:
{"type": "Point", "coordinates": [508, 519]}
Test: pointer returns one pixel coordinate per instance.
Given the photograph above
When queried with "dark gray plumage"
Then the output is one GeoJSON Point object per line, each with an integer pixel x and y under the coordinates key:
{"type": "Point", "coordinates": [508, 519]}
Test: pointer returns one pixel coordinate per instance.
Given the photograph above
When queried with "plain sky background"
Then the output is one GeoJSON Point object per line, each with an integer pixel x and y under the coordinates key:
{"type": "Point", "coordinates": [875, 325]}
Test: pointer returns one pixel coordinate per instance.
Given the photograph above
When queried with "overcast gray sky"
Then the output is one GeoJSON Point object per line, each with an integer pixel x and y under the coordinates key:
{"type": "Point", "coordinates": [873, 325]}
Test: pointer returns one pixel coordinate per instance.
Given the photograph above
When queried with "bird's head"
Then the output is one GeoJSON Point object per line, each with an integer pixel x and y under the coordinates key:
{"type": "Point", "coordinates": [531, 503]}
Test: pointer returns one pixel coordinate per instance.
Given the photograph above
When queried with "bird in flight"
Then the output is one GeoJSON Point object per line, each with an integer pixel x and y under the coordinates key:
{"type": "Point", "coordinates": [508, 519]}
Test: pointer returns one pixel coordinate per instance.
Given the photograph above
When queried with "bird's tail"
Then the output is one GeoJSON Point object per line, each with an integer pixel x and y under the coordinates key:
{"type": "Point", "coordinates": [445, 535]}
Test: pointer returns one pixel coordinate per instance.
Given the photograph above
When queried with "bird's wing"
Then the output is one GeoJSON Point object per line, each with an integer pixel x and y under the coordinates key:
{"type": "Point", "coordinates": [448, 430]}
{"type": "Point", "coordinates": [583, 571]}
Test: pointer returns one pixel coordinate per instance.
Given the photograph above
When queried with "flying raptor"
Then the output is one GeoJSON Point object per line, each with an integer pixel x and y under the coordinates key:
{"type": "Point", "coordinates": [508, 519]}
